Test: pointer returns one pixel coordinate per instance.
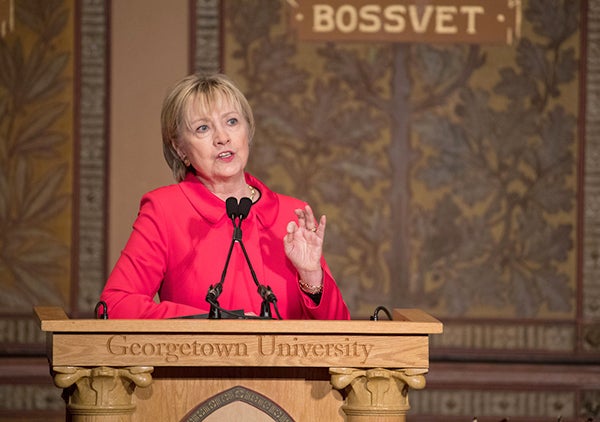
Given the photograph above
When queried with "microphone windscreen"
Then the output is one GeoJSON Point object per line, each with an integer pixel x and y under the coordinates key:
{"type": "Point", "coordinates": [231, 205]}
{"type": "Point", "coordinates": [244, 208]}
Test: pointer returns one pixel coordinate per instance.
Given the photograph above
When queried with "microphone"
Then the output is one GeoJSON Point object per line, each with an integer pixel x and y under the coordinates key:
{"type": "Point", "coordinates": [231, 205]}
{"type": "Point", "coordinates": [244, 208]}
{"type": "Point", "coordinates": [233, 211]}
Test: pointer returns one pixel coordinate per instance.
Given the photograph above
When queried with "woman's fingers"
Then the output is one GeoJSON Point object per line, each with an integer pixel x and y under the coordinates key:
{"type": "Point", "coordinates": [306, 218]}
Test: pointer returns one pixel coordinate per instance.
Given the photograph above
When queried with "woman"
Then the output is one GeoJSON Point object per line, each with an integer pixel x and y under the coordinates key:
{"type": "Point", "coordinates": [182, 234]}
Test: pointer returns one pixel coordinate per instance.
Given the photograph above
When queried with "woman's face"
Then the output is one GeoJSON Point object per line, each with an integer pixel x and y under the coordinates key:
{"type": "Point", "coordinates": [215, 141]}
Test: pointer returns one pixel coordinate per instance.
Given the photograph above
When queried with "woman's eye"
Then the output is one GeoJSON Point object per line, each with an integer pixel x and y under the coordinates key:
{"type": "Point", "coordinates": [202, 128]}
{"type": "Point", "coordinates": [233, 121]}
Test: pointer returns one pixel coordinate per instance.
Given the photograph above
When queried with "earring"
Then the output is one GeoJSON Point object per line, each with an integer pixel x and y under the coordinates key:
{"type": "Point", "coordinates": [186, 161]}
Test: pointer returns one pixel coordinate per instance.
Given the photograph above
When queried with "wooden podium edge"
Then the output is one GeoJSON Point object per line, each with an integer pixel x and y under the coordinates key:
{"type": "Point", "coordinates": [406, 321]}
{"type": "Point", "coordinates": [49, 313]}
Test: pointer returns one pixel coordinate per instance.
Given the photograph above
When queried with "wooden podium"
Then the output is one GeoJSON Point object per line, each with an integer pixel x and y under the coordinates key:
{"type": "Point", "coordinates": [229, 370]}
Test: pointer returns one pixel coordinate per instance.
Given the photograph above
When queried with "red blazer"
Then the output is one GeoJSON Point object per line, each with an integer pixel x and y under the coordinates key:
{"type": "Point", "coordinates": [178, 248]}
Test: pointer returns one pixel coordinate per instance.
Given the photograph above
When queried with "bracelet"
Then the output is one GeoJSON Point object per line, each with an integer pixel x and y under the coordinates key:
{"type": "Point", "coordinates": [309, 288]}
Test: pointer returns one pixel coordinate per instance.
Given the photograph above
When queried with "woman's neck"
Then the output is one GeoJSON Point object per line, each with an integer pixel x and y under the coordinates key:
{"type": "Point", "coordinates": [237, 189]}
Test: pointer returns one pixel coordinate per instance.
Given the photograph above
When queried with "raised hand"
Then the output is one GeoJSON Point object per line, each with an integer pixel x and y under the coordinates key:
{"type": "Point", "coordinates": [303, 245]}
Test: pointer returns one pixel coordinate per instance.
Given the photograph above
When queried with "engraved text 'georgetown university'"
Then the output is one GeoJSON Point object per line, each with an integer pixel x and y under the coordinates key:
{"type": "Point", "coordinates": [118, 345]}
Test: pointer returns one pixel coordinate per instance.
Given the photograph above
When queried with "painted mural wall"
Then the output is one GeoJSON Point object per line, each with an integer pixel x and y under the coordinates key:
{"type": "Point", "coordinates": [448, 171]}
{"type": "Point", "coordinates": [460, 178]}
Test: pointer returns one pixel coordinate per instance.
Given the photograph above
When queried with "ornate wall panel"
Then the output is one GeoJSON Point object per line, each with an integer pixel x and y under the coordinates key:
{"type": "Point", "coordinates": [53, 81]}
{"type": "Point", "coordinates": [90, 274]}
{"type": "Point", "coordinates": [590, 293]}
{"type": "Point", "coordinates": [206, 35]}
{"type": "Point", "coordinates": [460, 179]}
{"type": "Point", "coordinates": [36, 162]}
{"type": "Point", "coordinates": [53, 152]}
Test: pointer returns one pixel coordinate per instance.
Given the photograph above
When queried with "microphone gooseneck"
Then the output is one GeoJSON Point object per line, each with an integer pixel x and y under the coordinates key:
{"type": "Point", "coordinates": [212, 296]}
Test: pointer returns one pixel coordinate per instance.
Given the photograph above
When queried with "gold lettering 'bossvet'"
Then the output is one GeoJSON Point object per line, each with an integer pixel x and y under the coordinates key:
{"type": "Point", "coordinates": [269, 346]}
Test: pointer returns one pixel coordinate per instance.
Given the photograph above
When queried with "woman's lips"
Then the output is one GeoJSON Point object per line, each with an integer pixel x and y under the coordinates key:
{"type": "Point", "coordinates": [225, 155]}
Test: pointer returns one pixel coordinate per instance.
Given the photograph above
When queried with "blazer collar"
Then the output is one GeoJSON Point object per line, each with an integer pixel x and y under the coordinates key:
{"type": "Point", "coordinates": [212, 208]}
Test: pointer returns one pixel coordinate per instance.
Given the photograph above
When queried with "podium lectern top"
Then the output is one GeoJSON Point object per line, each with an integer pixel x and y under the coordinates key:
{"type": "Point", "coordinates": [401, 343]}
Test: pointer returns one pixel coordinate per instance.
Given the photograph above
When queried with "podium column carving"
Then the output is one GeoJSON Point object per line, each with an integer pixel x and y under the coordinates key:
{"type": "Point", "coordinates": [102, 393]}
{"type": "Point", "coordinates": [377, 394]}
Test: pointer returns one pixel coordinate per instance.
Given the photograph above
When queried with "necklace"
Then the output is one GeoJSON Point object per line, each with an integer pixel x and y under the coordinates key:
{"type": "Point", "coordinates": [252, 192]}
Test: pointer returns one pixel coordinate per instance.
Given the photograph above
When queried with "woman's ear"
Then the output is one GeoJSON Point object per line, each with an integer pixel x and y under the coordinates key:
{"type": "Point", "coordinates": [181, 153]}
{"type": "Point", "coordinates": [178, 150]}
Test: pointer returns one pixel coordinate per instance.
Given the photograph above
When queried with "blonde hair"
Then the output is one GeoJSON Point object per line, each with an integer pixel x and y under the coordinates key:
{"type": "Point", "coordinates": [208, 90]}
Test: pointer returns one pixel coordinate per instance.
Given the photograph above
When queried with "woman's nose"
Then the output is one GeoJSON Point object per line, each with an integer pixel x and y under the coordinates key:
{"type": "Point", "coordinates": [221, 135]}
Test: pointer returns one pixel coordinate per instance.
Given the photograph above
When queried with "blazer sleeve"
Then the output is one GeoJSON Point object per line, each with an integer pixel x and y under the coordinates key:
{"type": "Point", "coordinates": [332, 305]}
{"type": "Point", "coordinates": [136, 278]}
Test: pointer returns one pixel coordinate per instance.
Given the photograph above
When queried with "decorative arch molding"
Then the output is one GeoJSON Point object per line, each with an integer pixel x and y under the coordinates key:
{"type": "Point", "coordinates": [238, 394]}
